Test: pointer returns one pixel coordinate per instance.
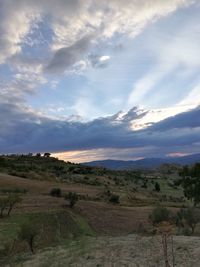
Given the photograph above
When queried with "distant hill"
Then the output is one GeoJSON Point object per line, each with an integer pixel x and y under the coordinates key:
{"type": "Point", "coordinates": [147, 163]}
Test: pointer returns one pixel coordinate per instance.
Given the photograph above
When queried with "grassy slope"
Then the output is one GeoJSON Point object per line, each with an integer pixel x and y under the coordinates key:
{"type": "Point", "coordinates": [54, 228]}
{"type": "Point", "coordinates": [40, 175]}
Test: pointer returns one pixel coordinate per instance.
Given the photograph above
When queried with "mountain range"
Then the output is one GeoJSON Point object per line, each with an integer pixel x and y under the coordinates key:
{"type": "Point", "coordinates": [146, 163]}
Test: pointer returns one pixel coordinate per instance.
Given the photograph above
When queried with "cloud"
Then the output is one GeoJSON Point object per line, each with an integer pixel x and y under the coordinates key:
{"type": "Point", "coordinates": [77, 31]}
{"type": "Point", "coordinates": [97, 61]}
{"type": "Point", "coordinates": [26, 131]}
{"type": "Point", "coordinates": [173, 45]}
{"type": "Point", "coordinates": [66, 57]}
{"type": "Point", "coordinates": [192, 98]}
{"type": "Point", "coordinates": [15, 23]}
{"type": "Point", "coordinates": [109, 18]}
{"type": "Point", "coordinates": [71, 20]}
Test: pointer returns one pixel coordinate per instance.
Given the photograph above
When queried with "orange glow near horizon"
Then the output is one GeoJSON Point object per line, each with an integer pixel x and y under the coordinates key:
{"type": "Point", "coordinates": [178, 154]}
{"type": "Point", "coordinates": [80, 156]}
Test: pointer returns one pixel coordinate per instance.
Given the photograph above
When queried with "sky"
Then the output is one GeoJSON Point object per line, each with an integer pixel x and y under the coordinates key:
{"type": "Point", "coordinates": [88, 80]}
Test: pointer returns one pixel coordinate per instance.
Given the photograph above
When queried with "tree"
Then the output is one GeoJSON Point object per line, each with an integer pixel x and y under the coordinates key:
{"type": "Point", "coordinates": [7, 203]}
{"type": "Point", "coordinates": [72, 197]}
{"type": "Point", "coordinates": [191, 183]}
{"type": "Point", "coordinates": [28, 233]}
{"type": "Point", "coordinates": [12, 200]}
{"type": "Point", "coordinates": [38, 155]}
{"type": "Point", "coordinates": [157, 187]}
{"type": "Point", "coordinates": [179, 219]}
{"type": "Point", "coordinates": [47, 154]}
{"type": "Point", "coordinates": [189, 217]}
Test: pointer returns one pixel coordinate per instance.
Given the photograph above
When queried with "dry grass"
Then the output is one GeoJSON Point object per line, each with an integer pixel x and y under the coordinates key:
{"type": "Point", "coordinates": [109, 219]}
{"type": "Point", "coordinates": [124, 251]}
{"type": "Point", "coordinates": [43, 187]}
{"type": "Point", "coordinates": [103, 218]}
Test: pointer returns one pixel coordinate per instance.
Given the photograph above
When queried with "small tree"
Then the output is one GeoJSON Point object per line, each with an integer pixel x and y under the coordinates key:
{"type": "Point", "coordinates": [56, 192]}
{"type": "Point", "coordinates": [160, 214]}
{"type": "Point", "coordinates": [47, 154]}
{"type": "Point", "coordinates": [72, 197]}
{"type": "Point", "coordinates": [7, 203]}
{"type": "Point", "coordinates": [12, 200]}
{"type": "Point", "coordinates": [191, 182]}
{"type": "Point", "coordinates": [189, 217]}
{"type": "Point", "coordinates": [157, 187]}
{"type": "Point", "coordinates": [179, 219]}
{"type": "Point", "coordinates": [28, 233]}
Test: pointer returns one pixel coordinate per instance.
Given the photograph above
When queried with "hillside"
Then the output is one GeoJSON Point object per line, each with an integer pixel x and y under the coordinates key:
{"type": "Point", "coordinates": [111, 205]}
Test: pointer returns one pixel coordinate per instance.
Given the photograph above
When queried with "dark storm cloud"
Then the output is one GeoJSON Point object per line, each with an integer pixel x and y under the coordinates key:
{"type": "Point", "coordinates": [184, 120]}
{"type": "Point", "coordinates": [24, 131]}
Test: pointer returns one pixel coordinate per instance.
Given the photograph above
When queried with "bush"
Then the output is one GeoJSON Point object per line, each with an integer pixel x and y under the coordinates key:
{"type": "Point", "coordinates": [56, 192]}
{"type": "Point", "coordinates": [114, 199]}
{"type": "Point", "coordinates": [160, 214]}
